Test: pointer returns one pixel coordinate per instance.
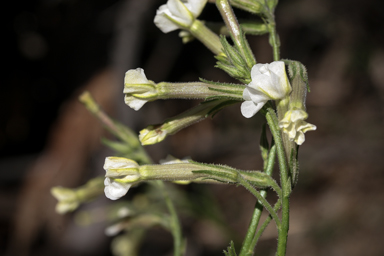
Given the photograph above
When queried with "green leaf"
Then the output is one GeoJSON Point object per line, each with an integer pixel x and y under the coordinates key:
{"type": "Point", "coordinates": [230, 250]}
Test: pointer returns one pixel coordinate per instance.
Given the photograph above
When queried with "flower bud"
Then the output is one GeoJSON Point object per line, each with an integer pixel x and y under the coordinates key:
{"type": "Point", "coordinates": [70, 199]}
{"type": "Point", "coordinates": [156, 133]}
{"type": "Point", "coordinates": [67, 198]}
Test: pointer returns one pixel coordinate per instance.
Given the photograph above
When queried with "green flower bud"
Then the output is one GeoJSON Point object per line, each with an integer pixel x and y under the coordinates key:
{"type": "Point", "coordinates": [156, 133]}
{"type": "Point", "coordinates": [68, 200]}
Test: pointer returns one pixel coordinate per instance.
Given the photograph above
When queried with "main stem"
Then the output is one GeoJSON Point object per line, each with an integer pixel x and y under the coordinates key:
{"type": "Point", "coordinates": [284, 180]}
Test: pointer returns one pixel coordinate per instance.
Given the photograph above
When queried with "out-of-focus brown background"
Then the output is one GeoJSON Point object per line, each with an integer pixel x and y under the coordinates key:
{"type": "Point", "coordinates": [53, 50]}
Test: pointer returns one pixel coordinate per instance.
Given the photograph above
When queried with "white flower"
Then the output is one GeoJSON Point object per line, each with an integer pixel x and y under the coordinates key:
{"type": "Point", "coordinates": [269, 82]}
{"type": "Point", "coordinates": [120, 174]}
{"type": "Point", "coordinates": [294, 125]}
{"type": "Point", "coordinates": [178, 14]}
{"type": "Point", "coordinates": [137, 88]}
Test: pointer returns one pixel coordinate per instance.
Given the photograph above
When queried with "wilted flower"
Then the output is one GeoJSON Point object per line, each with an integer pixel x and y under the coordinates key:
{"type": "Point", "coordinates": [177, 14]}
{"type": "Point", "coordinates": [120, 174]}
{"type": "Point", "coordinates": [294, 126]}
{"type": "Point", "coordinates": [269, 82]}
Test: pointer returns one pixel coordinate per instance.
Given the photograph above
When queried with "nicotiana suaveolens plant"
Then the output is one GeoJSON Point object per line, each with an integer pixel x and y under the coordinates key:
{"type": "Point", "coordinates": [276, 90]}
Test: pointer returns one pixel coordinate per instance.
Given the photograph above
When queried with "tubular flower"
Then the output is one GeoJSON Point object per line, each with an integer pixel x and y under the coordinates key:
{"type": "Point", "coordinates": [294, 125]}
{"type": "Point", "coordinates": [177, 14]}
{"type": "Point", "coordinates": [120, 174]}
{"type": "Point", "coordinates": [269, 82]}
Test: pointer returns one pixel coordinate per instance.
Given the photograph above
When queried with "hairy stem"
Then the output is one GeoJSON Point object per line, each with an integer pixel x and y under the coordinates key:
{"type": "Point", "coordinates": [261, 199]}
{"type": "Point", "coordinates": [248, 245]}
{"type": "Point", "coordinates": [284, 180]}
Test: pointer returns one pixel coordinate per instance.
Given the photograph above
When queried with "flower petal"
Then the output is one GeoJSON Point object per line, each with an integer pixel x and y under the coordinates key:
{"type": "Point", "coordinates": [298, 114]}
{"type": "Point", "coordinates": [135, 76]}
{"type": "Point", "coordinates": [113, 162]}
{"type": "Point", "coordinates": [300, 138]}
{"type": "Point", "coordinates": [133, 102]}
{"type": "Point", "coordinates": [256, 69]}
{"type": "Point", "coordinates": [257, 96]}
{"type": "Point", "coordinates": [114, 190]}
{"type": "Point", "coordinates": [162, 20]}
{"type": "Point", "coordinates": [246, 94]}
{"type": "Point", "coordinates": [307, 127]}
{"type": "Point", "coordinates": [249, 108]}
{"type": "Point", "coordinates": [195, 6]}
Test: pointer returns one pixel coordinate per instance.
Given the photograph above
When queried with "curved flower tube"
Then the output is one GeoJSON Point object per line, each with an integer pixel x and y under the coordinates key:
{"type": "Point", "coordinates": [177, 14]}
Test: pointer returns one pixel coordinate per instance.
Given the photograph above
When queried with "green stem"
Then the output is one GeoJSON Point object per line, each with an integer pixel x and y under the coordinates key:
{"type": "Point", "coordinates": [264, 225]}
{"type": "Point", "coordinates": [206, 36]}
{"type": "Point", "coordinates": [248, 247]}
{"type": "Point", "coordinates": [284, 180]}
{"type": "Point", "coordinates": [175, 224]}
{"type": "Point", "coordinates": [273, 39]}
{"type": "Point", "coordinates": [235, 31]}
{"type": "Point", "coordinates": [283, 230]}
{"type": "Point", "coordinates": [261, 199]}
{"type": "Point", "coordinates": [273, 36]}
{"type": "Point", "coordinates": [273, 125]}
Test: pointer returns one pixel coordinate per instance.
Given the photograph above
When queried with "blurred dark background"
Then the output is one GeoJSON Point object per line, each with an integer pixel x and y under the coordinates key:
{"type": "Point", "coordinates": [54, 50]}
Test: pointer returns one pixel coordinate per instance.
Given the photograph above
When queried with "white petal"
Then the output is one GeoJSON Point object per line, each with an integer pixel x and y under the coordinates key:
{"type": "Point", "coordinates": [114, 190]}
{"type": "Point", "coordinates": [300, 138]}
{"type": "Point", "coordinates": [163, 22]}
{"type": "Point", "coordinates": [307, 127]}
{"type": "Point", "coordinates": [263, 84]}
{"type": "Point", "coordinates": [256, 70]}
{"type": "Point", "coordinates": [133, 102]}
{"type": "Point", "coordinates": [119, 162]}
{"type": "Point", "coordinates": [278, 68]}
{"type": "Point", "coordinates": [246, 94]}
{"type": "Point", "coordinates": [257, 96]}
{"type": "Point", "coordinates": [196, 6]}
{"type": "Point", "coordinates": [180, 12]}
{"type": "Point", "coordinates": [135, 76]}
{"type": "Point", "coordinates": [298, 114]}
{"type": "Point", "coordinates": [249, 108]}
